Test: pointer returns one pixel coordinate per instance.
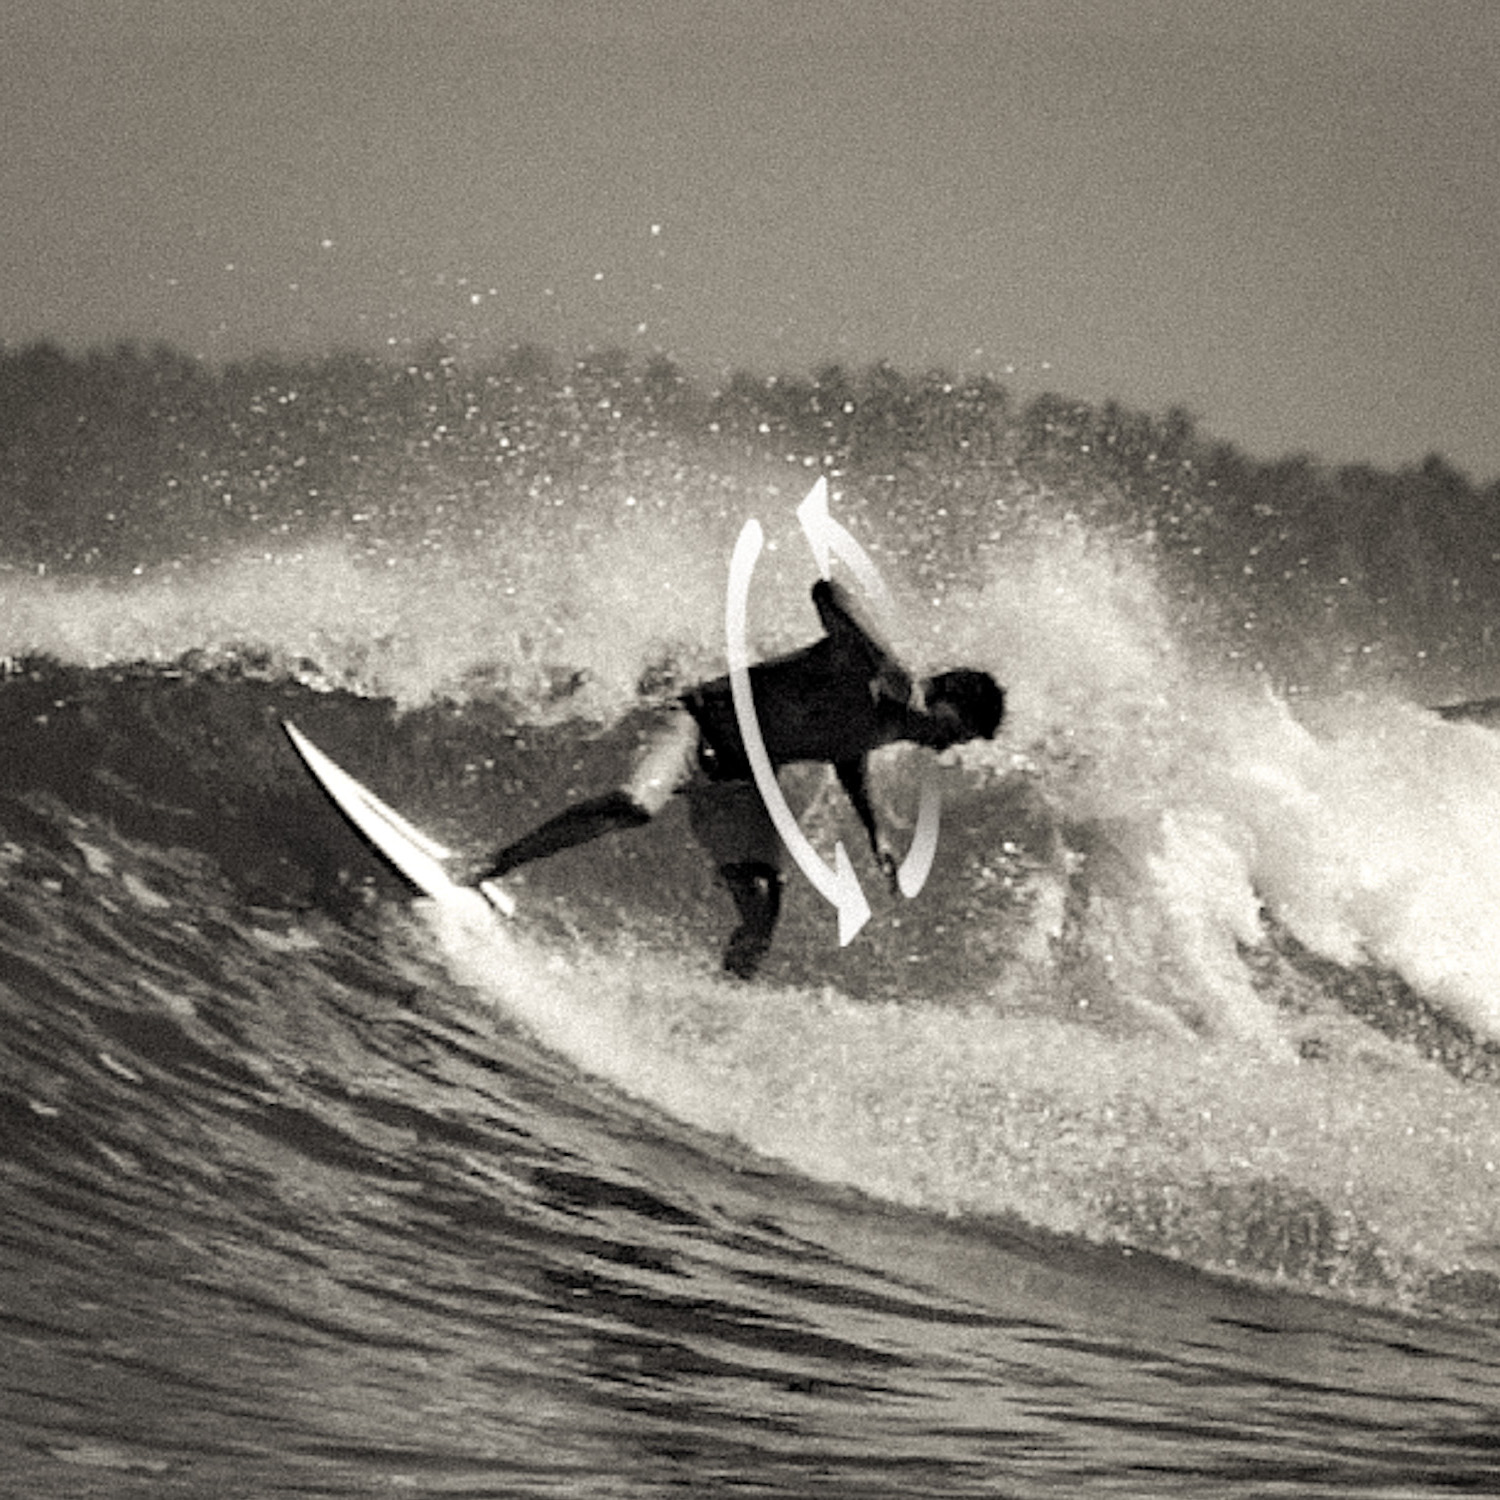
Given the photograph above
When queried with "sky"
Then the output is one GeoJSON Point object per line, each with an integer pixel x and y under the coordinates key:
{"type": "Point", "coordinates": [1283, 215]}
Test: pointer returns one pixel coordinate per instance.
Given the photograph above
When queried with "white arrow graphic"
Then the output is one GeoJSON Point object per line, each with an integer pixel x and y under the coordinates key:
{"type": "Point", "coordinates": [829, 539]}
{"type": "Point", "coordinates": [838, 885]}
{"type": "Point", "coordinates": [917, 865]}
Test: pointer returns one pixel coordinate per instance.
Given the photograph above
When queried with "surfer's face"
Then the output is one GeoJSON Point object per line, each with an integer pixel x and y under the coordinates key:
{"type": "Point", "coordinates": [949, 728]}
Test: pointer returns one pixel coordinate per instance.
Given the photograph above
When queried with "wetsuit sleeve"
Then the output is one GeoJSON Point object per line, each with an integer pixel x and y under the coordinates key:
{"type": "Point", "coordinates": [853, 631]}
{"type": "Point", "coordinates": [854, 779]}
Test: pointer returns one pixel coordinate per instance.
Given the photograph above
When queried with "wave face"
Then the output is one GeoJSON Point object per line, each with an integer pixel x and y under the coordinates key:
{"type": "Point", "coordinates": [1130, 1148]}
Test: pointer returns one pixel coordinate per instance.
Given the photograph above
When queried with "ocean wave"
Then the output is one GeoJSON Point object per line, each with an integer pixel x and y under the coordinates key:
{"type": "Point", "coordinates": [1087, 1029]}
{"type": "Point", "coordinates": [1204, 964]}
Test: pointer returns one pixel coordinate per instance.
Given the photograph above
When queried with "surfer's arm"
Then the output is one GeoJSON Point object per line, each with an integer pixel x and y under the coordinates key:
{"type": "Point", "coordinates": [851, 628]}
{"type": "Point", "coordinates": [854, 778]}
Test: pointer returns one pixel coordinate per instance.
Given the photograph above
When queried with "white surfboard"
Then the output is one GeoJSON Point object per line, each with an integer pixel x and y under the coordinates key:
{"type": "Point", "coordinates": [407, 849]}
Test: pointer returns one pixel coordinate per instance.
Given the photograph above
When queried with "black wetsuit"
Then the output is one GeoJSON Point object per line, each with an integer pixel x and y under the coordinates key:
{"type": "Point", "coordinates": [833, 701]}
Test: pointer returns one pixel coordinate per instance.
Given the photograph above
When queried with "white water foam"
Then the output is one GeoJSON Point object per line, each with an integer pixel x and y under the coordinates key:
{"type": "Point", "coordinates": [1145, 1137]}
{"type": "Point", "coordinates": [1368, 826]}
{"type": "Point", "coordinates": [1365, 826]}
{"type": "Point", "coordinates": [578, 603]}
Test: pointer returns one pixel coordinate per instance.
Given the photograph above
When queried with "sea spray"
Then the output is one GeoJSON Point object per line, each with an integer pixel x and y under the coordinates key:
{"type": "Point", "coordinates": [1184, 1147]}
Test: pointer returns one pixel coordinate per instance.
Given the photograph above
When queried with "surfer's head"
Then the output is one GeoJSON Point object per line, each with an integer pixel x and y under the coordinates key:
{"type": "Point", "coordinates": [963, 705]}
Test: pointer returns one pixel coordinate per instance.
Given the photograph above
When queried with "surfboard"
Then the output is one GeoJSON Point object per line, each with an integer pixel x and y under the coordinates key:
{"type": "Point", "coordinates": [409, 851]}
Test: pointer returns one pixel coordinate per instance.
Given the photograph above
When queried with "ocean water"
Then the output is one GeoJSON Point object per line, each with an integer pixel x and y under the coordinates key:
{"type": "Point", "coordinates": [1151, 1150]}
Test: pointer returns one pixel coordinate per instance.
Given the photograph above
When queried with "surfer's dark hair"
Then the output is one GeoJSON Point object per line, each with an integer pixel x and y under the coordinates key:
{"type": "Point", "coordinates": [977, 697]}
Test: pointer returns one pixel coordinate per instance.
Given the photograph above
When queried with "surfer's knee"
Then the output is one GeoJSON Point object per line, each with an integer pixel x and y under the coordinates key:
{"type": "Point", "coordinates": [665, 762]}
{"type": "Point", "coordinates": [756, 888]}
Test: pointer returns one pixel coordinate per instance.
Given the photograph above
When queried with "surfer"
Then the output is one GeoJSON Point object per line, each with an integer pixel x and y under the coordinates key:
{"type": "Point", "coordinates": [833, 701]}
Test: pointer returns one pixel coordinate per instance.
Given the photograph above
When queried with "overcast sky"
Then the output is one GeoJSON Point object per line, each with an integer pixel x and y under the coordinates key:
{"type": "Point", "coordinates": [1284, 214]}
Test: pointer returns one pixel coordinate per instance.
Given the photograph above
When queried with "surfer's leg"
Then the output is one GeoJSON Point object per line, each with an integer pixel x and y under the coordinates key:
{"type": "Point", "coordinates": [580, 823]}
{"type": "Point", "coordinates": [729, 819]}
{"type": "Point", "coordinates": [756, 889]}
{"type": "Point", "coordinates": [667, 758]}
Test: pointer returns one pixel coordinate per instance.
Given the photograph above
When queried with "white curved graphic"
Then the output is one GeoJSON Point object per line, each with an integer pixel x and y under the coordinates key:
{"type": "Point", "coordinates": [917, 865]}
{"type": "Point", "coordinates": [838, 884]}
{"type": "Point", "coordinates": [827, 538]}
